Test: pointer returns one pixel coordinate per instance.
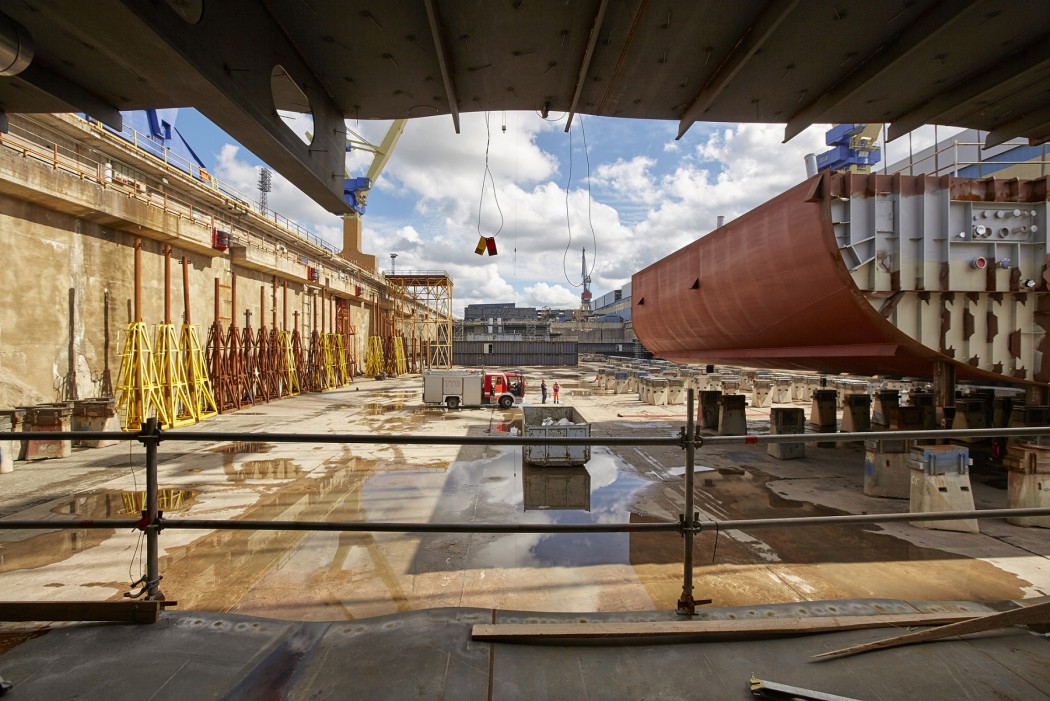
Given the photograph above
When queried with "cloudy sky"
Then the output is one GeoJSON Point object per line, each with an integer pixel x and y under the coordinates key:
{"type": "Point", "coordinates": [623, 189]}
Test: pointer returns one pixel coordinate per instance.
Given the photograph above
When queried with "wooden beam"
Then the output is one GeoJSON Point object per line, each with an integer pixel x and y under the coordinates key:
{"type": "Point", "coordinates": [1031, 57]}
{"type": "Point", "coordinates": [444, 62]}
{"type": "Point", "coordinates": [1031, 123]}
{"type": "Point", "coordinates": [585, 64]}
{"type": "Point", "coordinates": [766, 22]}
{"type": "Point", "coordinates": [1037, 613]}
{"type": "Point", "coordinates": [118, 611]}
{"type": "Point", "coordinates": [621, 59]}
{"type": "Point", "coordinates": [884, 57]}
{"type": "Point", "coordinates": [721, 630]}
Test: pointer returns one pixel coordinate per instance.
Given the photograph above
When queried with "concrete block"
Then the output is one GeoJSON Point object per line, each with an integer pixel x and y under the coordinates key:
{"type": "Point", "coordinates": [1028, 491]}
{"type": "Point", "coordinates": [856, 415]}
{"type": "Point", "coordinates": [884, 407]}
{"type": "Point", "coordinates": [781, 390]}
{"type": "Point", "coordinates": [659, 391]}
{"type": "Point", "coordinates": [761, 393]}
{"type": "Point", "coordinates": [710, 404]}
{"type": "Point", "coordinates": [8, 449]}
{"type": "Point", "coordinates": [940, 481]}
{"type": "Point", "coordinates": [824, 412]}
{"type": "Point", "coordinates": [96, 415]}
{"type": "Point", "coordinates": [731, 420]}
{"type": "Point", "coordinates": [970, 413]}
{"type": "Point", "coordinates": [1028, 482]}
{"type": "Point", "coordinates": [676, 391]}
{"type": "Point", "coordinates": [785, 420]}
{"type": "Point", "coordinates": [49, 417]}
{"type": "Point", "coordinates": [17, 418]}
{"type": "Point", "coordinates": [946, 492]}
{"type": "Point", "coordinates": [886, 474]}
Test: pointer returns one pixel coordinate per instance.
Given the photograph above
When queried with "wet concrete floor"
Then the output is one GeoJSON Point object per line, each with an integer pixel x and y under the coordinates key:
{"type": "Point", "coordinates": [341, 576]}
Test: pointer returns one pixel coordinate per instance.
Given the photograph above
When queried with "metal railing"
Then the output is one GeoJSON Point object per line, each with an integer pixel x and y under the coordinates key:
{"type": "Point", "coordinates": [688, 525]}
{"type": "Point", "coordinates": [39, 147]}
{"type": "Point", "coordinates": [946, 159]}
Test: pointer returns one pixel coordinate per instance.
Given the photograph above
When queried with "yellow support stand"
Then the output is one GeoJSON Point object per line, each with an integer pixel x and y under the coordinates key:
{"type": "Point", "coordinates": [138, 391]}
{"type": "Point", "coordinates": [196, 368]}
{"type": "Point", "coordinates": [172, 373]}
{"type": "Point", "coordinates": [374, 359]}
{"type": "Point", "coordinates": [328, 361]}
{"type": "Point", "coordinates": [343, 370]}
{"type": "Point", "coordinates": [400, 365]}
{"type": "Point", "coordinates": [291, 375]}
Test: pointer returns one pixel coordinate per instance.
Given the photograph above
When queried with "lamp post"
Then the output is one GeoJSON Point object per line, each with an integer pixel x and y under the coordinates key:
{"type": "Point", "coordinates": [393, 256]}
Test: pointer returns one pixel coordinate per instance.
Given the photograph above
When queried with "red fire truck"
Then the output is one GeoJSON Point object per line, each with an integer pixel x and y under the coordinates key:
{"type": "Point", "coordinates": [456, 388]}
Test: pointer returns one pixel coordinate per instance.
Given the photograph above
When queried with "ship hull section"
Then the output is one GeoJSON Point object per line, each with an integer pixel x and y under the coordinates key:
{"type": "Point", "coordinates": [774, 289]}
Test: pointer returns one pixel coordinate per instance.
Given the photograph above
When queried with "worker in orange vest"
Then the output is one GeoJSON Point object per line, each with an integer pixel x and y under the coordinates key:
{"type": "Point", "coordinates": [554, 390]}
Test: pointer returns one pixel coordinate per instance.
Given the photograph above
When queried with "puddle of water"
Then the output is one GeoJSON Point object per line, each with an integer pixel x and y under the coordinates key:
{"type": "Point", "coordinates": [680, 471]}
{"type": "Point", "coordinates": [243, 447]}
{"type": "Point", "coordinates": [49, 548]}
{"type": "Point", "coordinates": [199, 575]}
{"type": "Point", "coordinates": [278, 469]}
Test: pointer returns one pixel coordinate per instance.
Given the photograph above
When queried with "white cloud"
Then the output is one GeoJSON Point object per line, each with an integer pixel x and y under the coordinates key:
{"type": "Point", "coordinates": [648, 198]}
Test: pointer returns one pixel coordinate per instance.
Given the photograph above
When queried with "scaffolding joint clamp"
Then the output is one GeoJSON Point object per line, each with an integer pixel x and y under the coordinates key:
{"type": "Point", "coordinates": [146, 522]}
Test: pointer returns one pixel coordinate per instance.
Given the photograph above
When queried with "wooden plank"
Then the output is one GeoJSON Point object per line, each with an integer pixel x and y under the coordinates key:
{"type": "Point", "coordinates": [119, 611]}
{"type": "Point", "coordinates": [722, 629]}
{"type": "Point", "coordinates": [1038, 613]}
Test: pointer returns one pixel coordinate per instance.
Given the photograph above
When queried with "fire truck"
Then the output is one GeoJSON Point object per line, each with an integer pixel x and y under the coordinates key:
{"type": "Point", "coordinates": [469, 388]}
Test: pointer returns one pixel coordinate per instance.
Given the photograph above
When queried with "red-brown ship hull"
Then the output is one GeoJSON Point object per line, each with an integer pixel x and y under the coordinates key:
{"type": "Point", "coordinates": [772, 290]}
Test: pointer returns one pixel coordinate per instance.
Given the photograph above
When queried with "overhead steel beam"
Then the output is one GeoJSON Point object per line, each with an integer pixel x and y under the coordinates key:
{"type": "Point", "coordinates": [1031, 57]}
{"type": "Point", "coordinates": [883, 58]}
{"type": "Point", "coordinates": [1034, 122]}
{"type": "Point", "coordinates": [639, 12]}
{"type": "Point", "coordinates": [765, 23]}
{"type": "Point", "coordinates": [444, 62]}
{"type": "Point", "coordinates": [237, 95]}
{"type": "Point", "coordinates": [585, 64]}
{"type": "Point", "coordinates": [79, 99]}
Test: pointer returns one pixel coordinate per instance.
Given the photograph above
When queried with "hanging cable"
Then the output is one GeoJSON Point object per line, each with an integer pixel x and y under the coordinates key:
{"type": "Point", "coordinates": [594, 238]}
{"type": "Point", "coordinates": [487, 175]}
{"type": "Point", "coordinates": [568, 222]}
{"type": "Point", "coordinates": [590, 222]}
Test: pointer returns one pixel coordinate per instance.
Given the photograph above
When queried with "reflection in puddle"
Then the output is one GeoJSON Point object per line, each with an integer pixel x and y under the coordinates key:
{"type": "Point", "coordinates": [278, 469]}
{"type": "Point", "coordinates": [121, 504]}
{"type": "Point", "coordinates": [200, 575]}
{"type": "Point", "coordinates": [556, 488]}
{"type": "Point", "coordinates": [49, 548]}
{"type": "Point", "coordinates": [243, 447]}
{"type": "Point", "coordinates": [377, 408]}
{"type": "Point", "coordinates": [603, 491]}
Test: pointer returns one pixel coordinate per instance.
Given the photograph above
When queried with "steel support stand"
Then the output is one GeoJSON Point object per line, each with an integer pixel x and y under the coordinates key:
{"type": "Point", "coordinates": [690, 524]}
{"type": "Point", "coordinates": [150, 438]}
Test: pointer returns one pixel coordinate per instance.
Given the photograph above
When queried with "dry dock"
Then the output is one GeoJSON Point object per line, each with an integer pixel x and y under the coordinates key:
{"type": "Point", "coordinates": [302, 576]}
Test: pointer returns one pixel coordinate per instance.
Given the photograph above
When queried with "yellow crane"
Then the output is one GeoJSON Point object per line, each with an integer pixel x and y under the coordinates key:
{"type": "Point", "coordinates": [355, 190]}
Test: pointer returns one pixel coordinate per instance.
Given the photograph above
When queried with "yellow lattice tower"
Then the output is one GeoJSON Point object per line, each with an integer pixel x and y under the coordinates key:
{"type": "Point", "coordinates": [429, 294]}
{"type": "Point", "coordinates": [374, 361]}
{"type": "Point", "coordinates": [196, 368]}
{"type": "Point", "coordinates": [138, 390]}
{"type": "Point", "coordinates": [172, 374]}
{"type": "Point", "coordinates": [290, 374]}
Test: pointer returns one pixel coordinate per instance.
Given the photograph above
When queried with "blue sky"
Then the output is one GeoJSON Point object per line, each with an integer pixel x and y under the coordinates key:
{"type": "Point", "coordinates": [646, 195]}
